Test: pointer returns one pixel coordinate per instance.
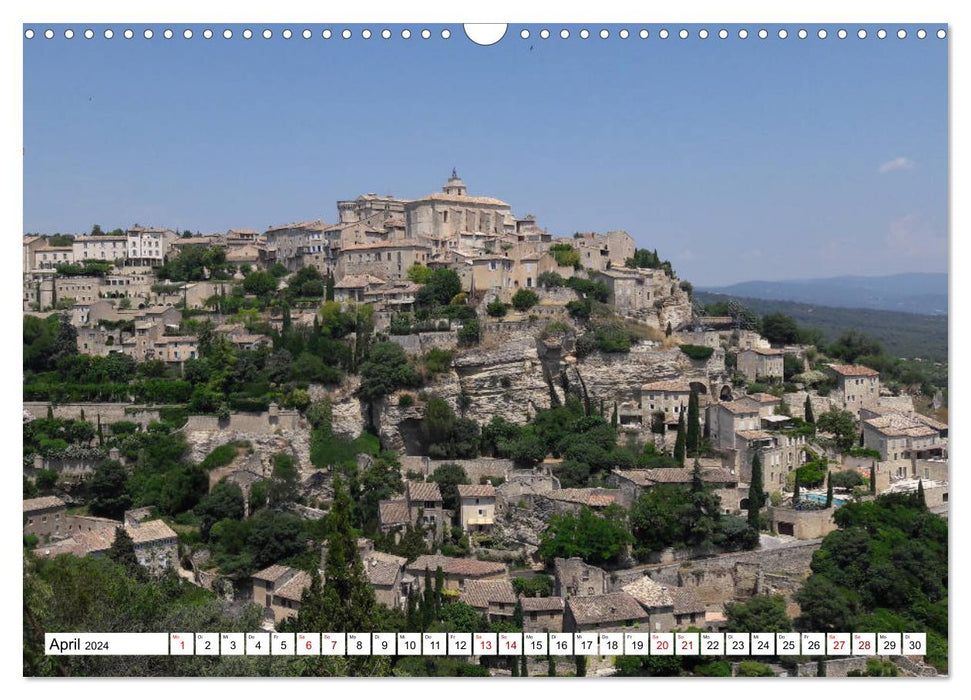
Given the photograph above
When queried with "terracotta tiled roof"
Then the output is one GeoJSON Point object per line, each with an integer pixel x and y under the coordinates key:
{"type": "Point", "coordinates": [754, 435]}
{"type": "Point", "coordinates": [649, 593]}
{"type": "Point", "coordinates": [294, 588]}
{"type": "Point", "coordinates": [383, 570]}
{"type": "Point", "coordinates": [686, 601]}
{"type": "Point", "coordinates": [460, 199]}
{"type": "Point", "coordinates": [423, 491]}
{"type": "Point", "coordinates": [673, 386]}
{"type": "Point", "coordinates": [455, 566]}
{"type": "Point", "coordinates": [150, 531]}
{"type": "Point", "coordinates": [542, 604]}
{"type": "Point", "coordinates": [898, 425]}
{"type": "Point", "coordinates": [765, 351]}
{"type": "Point", "coordinates": [479, 594]}
{"type": "Point", "coordinates": [742, 405]}
{"type": "Point", "coordinates": [477, 491]}
{"type": "Point", "coordinates": [272, 573]}
{"type": "Point", "coordinates": [43, 503]}
{"type": "Point", "coordinates": [605, 609]}
{"type": "Point", "coordinates": [385, 244]}
{"type": "Point", "coordinates": [393, 512]}
{"type": "Point", "coordinates": [854, 371]}
{"type": "Point", "coordinates": [595, 497]}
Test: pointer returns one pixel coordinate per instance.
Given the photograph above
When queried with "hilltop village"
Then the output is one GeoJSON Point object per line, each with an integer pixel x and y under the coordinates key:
{"type": "Point", "coordinates": [488, 426]}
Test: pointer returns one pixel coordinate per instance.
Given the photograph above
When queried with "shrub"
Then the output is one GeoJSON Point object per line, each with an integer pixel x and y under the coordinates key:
{"type": "Point", "coordinates": [496, 308]}
{"type": "Point", "coordinates": [524, 299]}
{"type": "Point", "coordinates": [697, 352]}
{"type": "Point", "coordinates": [847, 479]}
{"type": "Point", "coordinates": [406, 401]}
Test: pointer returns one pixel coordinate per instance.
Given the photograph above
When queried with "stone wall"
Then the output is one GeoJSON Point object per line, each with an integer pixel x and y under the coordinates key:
{"type": "Point", "coordinates": [805, 524]}
{"type": "Point", "coordinates": [420, 343]}
{"type": "Point", "coordinates": [108, 412]}
{"type": "Point", "coordinates": [835, 668]}
{"type": "Point", "coordinates": [728, 577]}
{"type": "Point", "coordinates": [474, 468]}
{"type": "Point", "coordinates": [265, 423]}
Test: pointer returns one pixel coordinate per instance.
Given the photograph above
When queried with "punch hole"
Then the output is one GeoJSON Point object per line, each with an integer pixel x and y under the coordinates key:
{"type": "Point", "coordinates": [29, 34]}
{"type": "Point", "coordinates": [68, 33]}
{"type": "Point", "coordinates": [941, 34]}
{"type": "Point", "coordinates": [168, 34]}
{"type": "Point", "coordinates": [644, 34]}
{"type": "Point", "coordinates": [148, 33]}
{"type": "Point", "coordinates": [703, 34]}
{"type": "Point", "coordinates": [783, 34]}
{"type": "Point", "coordinates": [207, 34]}
{"type": "Point", "coordinates": [489, 34]}
{"type": "Point", "coordinates": [405, 33]}
{"type": "Point", "coordinates": [624, 33]}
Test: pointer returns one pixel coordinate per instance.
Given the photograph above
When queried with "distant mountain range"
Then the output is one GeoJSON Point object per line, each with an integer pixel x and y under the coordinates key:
{"type": "Point", "coordinates": [915, 292]}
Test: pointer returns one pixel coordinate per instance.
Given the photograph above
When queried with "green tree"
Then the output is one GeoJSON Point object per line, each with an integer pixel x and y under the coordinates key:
{"type": "Point", "coordinates": [259, 283]}
{"type": "Point", "coordinates": [795, 489]}
{"type": "Point", "coordinates": [524, 299]}
{"type": "Point", "coordinates": [496, 308]}
{"type": "Point", "coordinates": [679, 443]}
{"type": "Point", "coordinates": [122, 551]}
{"type": "Point", "coordinates": [760, 613]}
{"type": "Point", "coordinates": [780, 329]}
{"type": "Point", "coordinates": [597, 539]}
{"type": "Point", "coordinates": [810, 418]}
{"type": "Point", "coordinates": [829, 490]}
{"type": "Point", "coordinates": [755, 492]}
{"type": "Point", "coordinates": [841, 424]}
{"type": "Point", "coordinates": [873, 480]}
{"type": "Point", "coordinates": [224, 501]}
{"type": "Point", "coordinates": [109, 490]}
{"type": "Point", "coordinates": [448, 476]}
{"type": "Point", "coordinates": [693, 434]}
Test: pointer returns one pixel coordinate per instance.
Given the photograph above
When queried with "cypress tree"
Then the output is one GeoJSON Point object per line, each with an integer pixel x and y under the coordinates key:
{"type": "Point", "coordinates": [513, 667]}
{"type": "Point", "coordinates": [613, 417]}
{"type": "Point", "coordinates": [810, 418]}
{"type": "Point", "coordinates": [82, 415]}
{"type": "Point", "coordinates": [795, 490]}
{"type": "Point", "coordinates": [347, 598]}
{"type": "Point", "coordinates": [693, 434]}
{"type": "Point", "coordinates": [921, 499]}
{"type": "Point", "coordinates": [550, 666]}
{"type": "Point", "coordinates": [50, 412]}
{"type": "Point", "coordinates": [873, 479]}
{"type": "Point", "coordinates": [829, 490]}
{"type": "Point", "coordinates": [101, 436]}
{"type": "Point", "coordinates": [523, 669]}
{"type": "Point", "coordinates": [122, 551]}
{"type": "Point", "coordinates": [755, 494]}
{"type": "Point", "coordinates": [667, 330]}
{"type": "Point", "coordinates": [581, 662]}
{"type": "Point", "coordinates": [329, 294]}
{"type": "Point", "coordinates": [697, 484]}
{"type": "Point", "coordinates": [679, 442]}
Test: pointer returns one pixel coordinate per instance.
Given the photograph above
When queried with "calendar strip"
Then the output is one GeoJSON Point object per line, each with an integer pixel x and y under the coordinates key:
{"type": "Point", "coordinates": [728, 644]}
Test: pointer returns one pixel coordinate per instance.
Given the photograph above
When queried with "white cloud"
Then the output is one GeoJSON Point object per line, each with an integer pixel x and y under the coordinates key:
{"type": "Point", "coordinates": [900, 163]}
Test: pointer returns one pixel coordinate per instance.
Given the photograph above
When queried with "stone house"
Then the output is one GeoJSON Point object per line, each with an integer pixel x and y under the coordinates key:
{"type": "Point", "coordinates": [656, 601]}
{"type": "Point", "coordinates": [761, 363]}
{"type": "Point", "coordinates": [105, 248]}
{"type": "Point", "coordinates": [605, 612]}
{"type": "Point", "coordinates": [84, 290]}
{"type": "Point", "coordinates": [728, 418]}
{"type": "Point", "coordinates": [857, 387]}
{"type": "Point", "coordinates": [49, 257]}
{"type": "Point", "coordinates": [494, 599]}
{"type": "Point", "coordinates": [393, 515]}
{"type": "Point", "coordinates": [574, 577]}
{"type": "Point", "coordinates": [634, 290]}
{"type": "Point", "coordinates": [543, 614]}
{"type": "Point", "coordinates": [899, 437]}
{"type": "Point", "coordinates": [768, 403]}
{"type": "Point", "coordinates": [44, 517]}
{"type": "Point", "coordinates": [298, 245]}
{"type": "Point", "coordinates": [176, 349]}
{"type": "Point", "coordinates": [477, 507]}
{"type": "Point", "coordinates": [751, 340]}
{"type": "Point", "coordinates": [355, 287]}
{"type": "Point", "coordinates": [779, 451]}
{"type": "Point", "coordinates": [148, 246]}
{"type": "Point", "coordinates": [801, 524]}
{"type": "Point", "coordinates": [671, 397]}
{"type": "Point", "coordinates": [425, 506]}
{"type": "Point", "coordinates": [156, 544]}
{"type": "Point", "coordinates": [604, 251]}
{"type": "Point", "coordinates": [386, 572]}
{"type": "Point", "coordinates": [267, 582]}
{"type": "Point", "coordinates": [458, 571]}
{"type": "Point", "coordinates": [388, 260]}
{"type": "Point", "coordinates": [631, 483]}
{"type": "Point", "coordinates": [574, 500]}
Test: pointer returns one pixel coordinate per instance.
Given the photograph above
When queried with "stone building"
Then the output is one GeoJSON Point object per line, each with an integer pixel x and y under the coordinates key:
{"type": "Point", "coordinates": [386, 573]}
{"type": "Point", "coordinates": [632, 483]}
{"type": "Point", "coordinates": [44, 517]}
{"type": "Point", "coordinates": [148, 247]}
{"type": "Point", "coordinates": [425, 507]}
{"type": "Point", "coordinates": [458, 571]}
{"type": "Point", "coordinates": [605, 612]}
{"type": "Point", "coordinates": [727, 419]}
{"type": "Point", "coordinates": [49, 257]}
{"type": "Point", "coordinates": [671, 397]}
{"type": "Point", "coordinates": [477, 507]}
{"type": "Point", "coordinates": [761, 363]}
{"type": "Point", "coordinates": [574, 577]}
{"type": "Point", "coordinates": [388, 260]}
{"type": "Point", "coordinates": [899, 437]}
{"type": "Point", "coordinates": [156, 544]}
{"type": "Point", "coordinates": [298, 245]}
{"type": "Point", "coordinates": [453, 215]}
{"type": "Point", "coordinates": [543, 614]}
{"type": "Point", "coordinates": [494, 599]}
{"type": "Point", "coordinates": [857, 387]}
{"type": "Point", "coordinates": [603, 251]}
{"type": "Point", "coordinates": [105, 248]}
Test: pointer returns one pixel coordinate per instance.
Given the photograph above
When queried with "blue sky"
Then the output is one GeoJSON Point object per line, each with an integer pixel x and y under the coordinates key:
{"type": "Point", "coordinates": [737, 160]}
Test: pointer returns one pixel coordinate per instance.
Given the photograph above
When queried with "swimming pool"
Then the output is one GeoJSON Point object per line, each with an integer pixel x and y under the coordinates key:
{"type": "Point", "coordinates": [818, 498]}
